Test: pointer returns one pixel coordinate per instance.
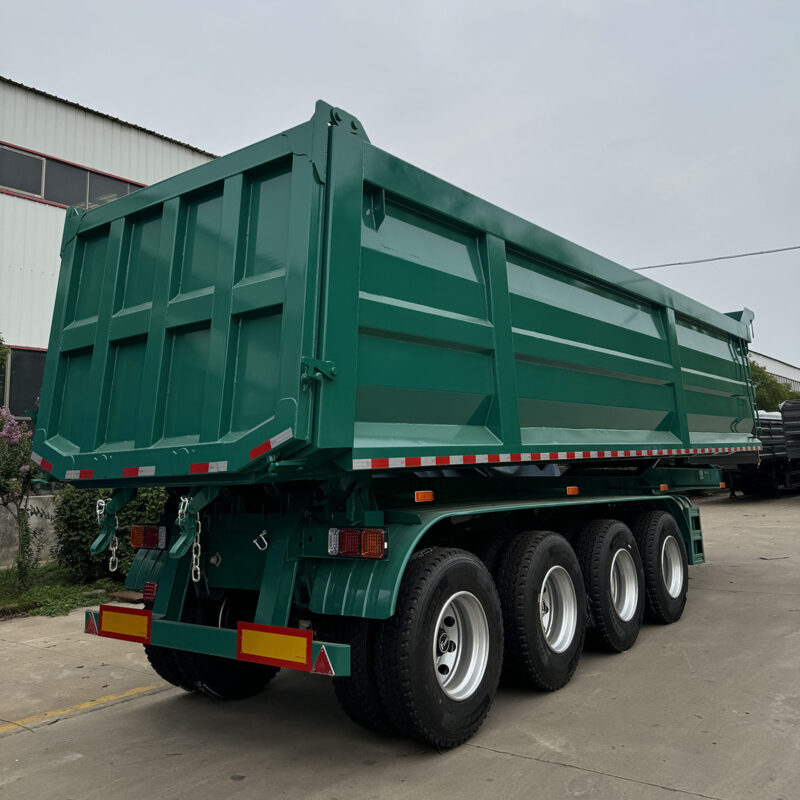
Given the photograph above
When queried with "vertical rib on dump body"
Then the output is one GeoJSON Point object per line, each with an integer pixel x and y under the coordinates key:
{"type": "Point", "coordinates": [311, 303]}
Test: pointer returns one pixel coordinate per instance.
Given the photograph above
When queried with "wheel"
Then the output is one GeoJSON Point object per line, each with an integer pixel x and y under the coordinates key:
{"type": "Point", "coordinates": [440, 654]}
{"type": "Point", "coordinates": [489, 548]}
{"type": "Point", "coordinates": [665, 564]}
{"type": "Point", "coordinates": [215, 676]}
{"type": "Point", "coordinates": [358, 693]}
{"type": "Point", "coordinates": [165, 662]}
{"type": "Point", "coordinates": [614, 581]}
{"type": "Point", "coordinates": [543, 601]}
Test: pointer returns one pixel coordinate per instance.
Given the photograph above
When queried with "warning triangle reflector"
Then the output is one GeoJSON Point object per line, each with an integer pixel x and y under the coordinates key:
{"type": "Point", "coordinates": [91, 624]}
{"type": "Point", "coordinates": [322, 666]}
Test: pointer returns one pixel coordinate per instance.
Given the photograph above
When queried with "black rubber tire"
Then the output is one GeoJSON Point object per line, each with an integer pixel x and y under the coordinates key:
{"type": "Point", "coordinates": [358, 693]}
{"type": "Point", "coordinates": [165, 662]}
{"type": "Point", "coordinates": [529, 660]}
{"type": "Point", "coordinates": [650, 530]}
{"type": "Point", "coordinates": [596, 546]}
{"type": "Point", "coordinates": [407, 684]}
{"type": "Point", "coordinates": [489, 548]}
{"type": "Point", "coordinates": [215, 676]}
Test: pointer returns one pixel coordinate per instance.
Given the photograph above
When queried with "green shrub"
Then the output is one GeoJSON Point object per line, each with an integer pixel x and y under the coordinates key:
{"type": "Point", "coordinates": [51, 592]}
{"type": "Point", "coordinates": [76, 528]}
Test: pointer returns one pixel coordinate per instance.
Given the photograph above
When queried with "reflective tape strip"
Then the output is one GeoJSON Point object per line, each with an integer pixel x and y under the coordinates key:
{"type": "Point", "coordinates": [78, 474]}
{"type": "Point", "coordinates": [272, 443]}
{"type": "Point", "coordinates": [505, 458]}
{"type": "Point", "coordinates": [208, 466]}
{"type": "Point", "coordinates": [42, 462]}
{"type": "Point", "coordinates": [138, 472]}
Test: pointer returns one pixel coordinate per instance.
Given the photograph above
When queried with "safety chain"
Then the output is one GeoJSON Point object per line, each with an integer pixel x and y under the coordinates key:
{"type": "Point", "coordinates": [182, 509]}
{"type": "Point", "coordinates": [100, 511]}
{"type": "Point", "coordinates": [196, 554]}
{"type": "Point", "coordinates": [113, 561]}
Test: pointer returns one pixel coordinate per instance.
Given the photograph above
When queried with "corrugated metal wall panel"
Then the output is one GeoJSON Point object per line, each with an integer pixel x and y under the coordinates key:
{"type": "Point", "coordinates": [30, 232]}
{"type": "Point", "coordinates": [57, 129]}
{"type": "Point", "coordinates": [30, 238]}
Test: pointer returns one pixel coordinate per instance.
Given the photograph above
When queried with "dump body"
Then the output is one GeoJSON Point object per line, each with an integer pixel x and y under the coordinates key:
{"type": "Point", "coordinates": [312, 304]}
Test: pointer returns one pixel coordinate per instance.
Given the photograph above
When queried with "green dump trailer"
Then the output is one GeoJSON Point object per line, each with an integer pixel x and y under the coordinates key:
{"type": "Point", "coordinates": [410, 441]}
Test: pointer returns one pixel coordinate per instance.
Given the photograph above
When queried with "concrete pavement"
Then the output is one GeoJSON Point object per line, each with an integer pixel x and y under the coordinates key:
{"type": "Point", "coordinates": [708, 707]}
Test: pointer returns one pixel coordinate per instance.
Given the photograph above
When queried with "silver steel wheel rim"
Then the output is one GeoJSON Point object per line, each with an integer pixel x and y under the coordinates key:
{"type": "Point", "coordinates": [671, 566]}
{"type": "Point", "coordinates": [624, 585]}
{"type": "Point", "coordinates": [558, 609]}
{"type": "Point", "coordinates": [461, 646]}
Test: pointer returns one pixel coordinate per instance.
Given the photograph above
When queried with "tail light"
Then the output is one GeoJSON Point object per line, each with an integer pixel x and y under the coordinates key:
{"type": "Point", "coordinates": [150, 537]}
{"type": "Point", "coordinates": [149, 592]}
{"type": "Point", "coordinates": [357, 542]}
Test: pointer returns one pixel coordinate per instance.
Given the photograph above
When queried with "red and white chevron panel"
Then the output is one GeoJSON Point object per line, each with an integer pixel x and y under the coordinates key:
{"type": "Point", "coordinates": [513, 458]}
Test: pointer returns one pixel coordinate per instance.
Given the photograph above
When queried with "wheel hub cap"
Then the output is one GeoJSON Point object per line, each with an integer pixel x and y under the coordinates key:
{"type": "Point", "coordinates": [558, 609]}
{"type": "Point", "coordinates": [671, 566]}
{"type": "Point", "coordinates": [624, 585]}
{"type": "Point", "coordinates": [461, 645]}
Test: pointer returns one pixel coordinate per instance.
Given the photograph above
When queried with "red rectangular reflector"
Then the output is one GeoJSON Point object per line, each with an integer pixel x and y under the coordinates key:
{"type": "Point", "coordinates": [130, 624]}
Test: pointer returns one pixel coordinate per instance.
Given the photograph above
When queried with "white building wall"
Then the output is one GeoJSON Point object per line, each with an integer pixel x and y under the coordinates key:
{"type": "Point", "coordinates": [61, 130]}
{"type": "Point", "coordinates": [786, 373]}
{"type": "Point", "coordinates": [30, 240]}
{"type": "Point", "coordinates": [30, 231]}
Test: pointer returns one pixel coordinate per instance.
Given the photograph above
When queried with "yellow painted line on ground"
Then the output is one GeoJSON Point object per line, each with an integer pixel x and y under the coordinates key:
{"type": "Point", "coordinates": [21, 724]}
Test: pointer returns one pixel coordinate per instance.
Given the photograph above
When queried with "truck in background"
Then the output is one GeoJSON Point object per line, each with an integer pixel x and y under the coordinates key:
{"type": "Point", "coordinates": [775, 469]}
{"type": "Point", "coordinates": [410, 440]}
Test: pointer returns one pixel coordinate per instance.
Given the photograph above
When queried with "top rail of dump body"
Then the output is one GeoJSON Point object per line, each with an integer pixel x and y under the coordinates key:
{"type": "Point", "coordinates": [311, 303]}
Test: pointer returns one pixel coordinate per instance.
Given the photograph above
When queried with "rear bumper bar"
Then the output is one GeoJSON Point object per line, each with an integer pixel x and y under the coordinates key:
{"type": "Point", "coordinates": [292, 648]}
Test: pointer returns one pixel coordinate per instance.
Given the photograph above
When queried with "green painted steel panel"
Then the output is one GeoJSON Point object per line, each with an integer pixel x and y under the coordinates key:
{"type": "Point", "coordinates": [192, 318]}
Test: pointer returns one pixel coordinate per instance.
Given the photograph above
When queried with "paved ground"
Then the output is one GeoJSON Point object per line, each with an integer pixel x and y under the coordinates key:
{"type": "Point", "coordinates": [709, 708]}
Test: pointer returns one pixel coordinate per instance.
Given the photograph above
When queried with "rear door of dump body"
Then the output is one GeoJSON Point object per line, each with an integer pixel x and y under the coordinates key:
{"type": "Point", "coordinates": [183, 315]}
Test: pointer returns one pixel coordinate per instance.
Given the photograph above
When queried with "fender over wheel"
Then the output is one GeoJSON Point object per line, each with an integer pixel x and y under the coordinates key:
{"type": "Point", "coordinates": [614, 580]}
{"type": "Point", "coordinates": [543, 600]}
{"type": "Point", "coordinates": [665, 564]}
{"type": "Point", "coordinates": [440, 653]}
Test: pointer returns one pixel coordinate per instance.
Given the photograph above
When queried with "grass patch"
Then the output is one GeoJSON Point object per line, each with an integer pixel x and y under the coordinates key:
{"type": "Point", "coordinates": [51, 593]}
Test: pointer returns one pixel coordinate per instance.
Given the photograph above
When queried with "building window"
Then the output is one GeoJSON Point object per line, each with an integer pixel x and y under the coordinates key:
{"type": "Point", "coordinates": [103, 189]}
{"type": "Point", "coordinates": [65, 184]}
{"type": "Point", "coordinates": [21, 380]}
{"type": "Point", "coordinates": [55, 181]}
{"type": "Point", "coordinates": [21, 171]}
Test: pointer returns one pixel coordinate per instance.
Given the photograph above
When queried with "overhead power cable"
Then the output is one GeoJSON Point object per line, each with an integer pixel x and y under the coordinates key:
{"type": "Point", "coordinates": [718, 258]}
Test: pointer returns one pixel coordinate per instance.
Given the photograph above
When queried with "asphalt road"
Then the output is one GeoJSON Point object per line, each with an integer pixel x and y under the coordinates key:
{"type": "Point", "coordinates": [706, 708]}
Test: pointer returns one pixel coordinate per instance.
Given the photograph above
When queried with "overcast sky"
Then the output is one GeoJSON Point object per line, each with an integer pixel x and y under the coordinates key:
{"type": "Point", "coordinates": [648, 132]}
